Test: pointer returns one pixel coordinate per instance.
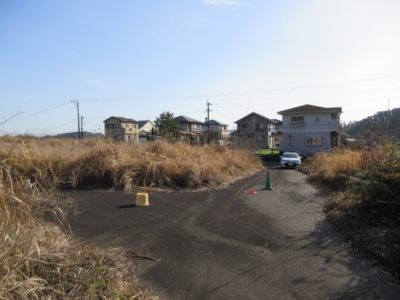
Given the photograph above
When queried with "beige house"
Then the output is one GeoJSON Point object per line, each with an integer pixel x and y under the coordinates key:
{"type": "Point", "coordinates": [121, 129]}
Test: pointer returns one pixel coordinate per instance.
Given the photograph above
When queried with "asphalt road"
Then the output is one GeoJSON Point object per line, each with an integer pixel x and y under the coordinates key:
{"type": "Point", "coordinates": [226, 244]}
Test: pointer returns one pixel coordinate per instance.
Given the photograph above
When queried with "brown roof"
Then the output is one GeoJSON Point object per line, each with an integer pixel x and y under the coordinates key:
{"type": "Point", "coordinates": [256, 114]}
{"type": "Point", "coordinates": [121, 119]}
{"type": "Point", "coordinates": [310, 109]}
{"type": "Point", "coordinates": [184, 119]}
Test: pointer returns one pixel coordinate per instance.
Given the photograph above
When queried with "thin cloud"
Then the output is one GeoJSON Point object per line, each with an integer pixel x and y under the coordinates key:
{"type": "Point", "coordinates": [221, 2]}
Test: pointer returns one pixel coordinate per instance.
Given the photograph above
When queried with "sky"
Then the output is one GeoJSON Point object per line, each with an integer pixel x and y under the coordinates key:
{"type": "Point", "coordinates": [139, 58]}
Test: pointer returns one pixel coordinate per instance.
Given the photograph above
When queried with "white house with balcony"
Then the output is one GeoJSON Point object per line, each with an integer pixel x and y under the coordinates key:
{"type": "Point", "coordinates": [309, 129]}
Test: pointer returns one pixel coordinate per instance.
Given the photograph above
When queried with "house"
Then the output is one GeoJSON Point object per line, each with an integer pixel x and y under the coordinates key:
{"type": "Point", "coordinates": [309, 129]}
{"type": "Point", "coordinates": [259, 130]}
{"type": "Point", "coordinates": [145, 130]}
{"type": "Point", "coordinates": [277, 131]}
{"type": "Point", "coordinates": [217, 127]}
{"type": "Point", "coordinates": [189, 127]}
{"type": "Point", "coordinates": [121, 129]}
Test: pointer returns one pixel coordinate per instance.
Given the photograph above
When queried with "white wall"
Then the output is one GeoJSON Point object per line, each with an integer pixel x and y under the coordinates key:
{"type": "Point", "coordinates": [299, 131]}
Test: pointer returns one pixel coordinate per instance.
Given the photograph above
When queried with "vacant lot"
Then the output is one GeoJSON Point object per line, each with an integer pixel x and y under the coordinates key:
{"type": "Point", "coordinates": [225, 244]}
{"type": "Point", "coordinates": [38, 260]}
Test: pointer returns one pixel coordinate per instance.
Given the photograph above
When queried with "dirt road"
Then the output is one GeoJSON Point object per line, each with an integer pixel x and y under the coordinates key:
{"type": "Point", "coordinates": [226, 244]}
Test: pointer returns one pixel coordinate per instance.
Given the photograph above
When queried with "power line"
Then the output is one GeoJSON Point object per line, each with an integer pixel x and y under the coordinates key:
{"type": "Point", "coordinates": [245, 92]}
{"type": "Point", "coordinates": [26, 116]}
{"type": "Point", "coordinates": [63, 125]}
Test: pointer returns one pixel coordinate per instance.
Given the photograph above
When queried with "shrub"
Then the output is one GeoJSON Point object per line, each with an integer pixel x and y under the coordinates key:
{"type": "Point", "coordinates": [366, 209]}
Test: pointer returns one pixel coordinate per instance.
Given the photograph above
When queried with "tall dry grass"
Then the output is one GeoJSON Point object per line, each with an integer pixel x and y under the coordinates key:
{"type": "Point", "coordinates": [366, 205]}
{"type": "Point", "coordinates": [38, 260]}
{"type": "Point", "coordinates": [336, 167]}
{"type": "Point", "coordinates": [127, 166]}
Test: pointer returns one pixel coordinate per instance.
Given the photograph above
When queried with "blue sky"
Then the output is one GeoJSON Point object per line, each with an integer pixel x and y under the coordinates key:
{"type": "Point", "coordinates": [138, 58]}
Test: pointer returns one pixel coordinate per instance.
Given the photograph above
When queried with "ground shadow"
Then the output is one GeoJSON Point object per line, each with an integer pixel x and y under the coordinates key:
{"type": "Point", "coordinates": [127, 206]}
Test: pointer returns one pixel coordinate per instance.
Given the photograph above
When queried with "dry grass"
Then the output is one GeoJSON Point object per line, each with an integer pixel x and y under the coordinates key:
{"type": "Point", "coordinates": [38, 260]}
{"type": "Point", "coordinates": [366, 207]}
{"type": "Point", "coordinates": [127, 166]}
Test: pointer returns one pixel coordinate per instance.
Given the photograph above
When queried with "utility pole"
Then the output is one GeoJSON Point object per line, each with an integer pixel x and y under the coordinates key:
{"type": "Point", "coordinates": [76, 103]}
{"type": "Point", "coordinates": [208, 116]}
{"type": "Point", "coordinates": [81, 127]}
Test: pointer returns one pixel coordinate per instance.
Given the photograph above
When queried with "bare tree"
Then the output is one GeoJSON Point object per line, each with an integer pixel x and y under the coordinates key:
{"type": "Point", "coordinates": [11, 115]}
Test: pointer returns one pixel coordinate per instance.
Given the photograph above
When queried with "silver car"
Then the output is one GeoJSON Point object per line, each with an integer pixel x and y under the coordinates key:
{"type": "Point", "coordinates": [290, 160]}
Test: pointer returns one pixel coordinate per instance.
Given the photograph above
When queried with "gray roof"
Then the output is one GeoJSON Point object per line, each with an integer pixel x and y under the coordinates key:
{"type": "Point", "coordinates": [278, 122]}
{"type": "Point", "coordinates": [184, 119]}
{"type": "Point", "coordinates": [122, 119]}
{"type": "Point", "coordinates": [144, 122]}
{"type": "Point", "coordinates": [214, 122]}
{"type": "Point", "coordinates": [310, 109]}
{"type": "Point", "coordinates": [256, 114]}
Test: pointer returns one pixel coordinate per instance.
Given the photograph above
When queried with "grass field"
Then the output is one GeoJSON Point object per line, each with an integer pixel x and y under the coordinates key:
{"type": "Point", "coordinates": [40, 261]}
{"type": "Point", "coordinates": [267, 152]}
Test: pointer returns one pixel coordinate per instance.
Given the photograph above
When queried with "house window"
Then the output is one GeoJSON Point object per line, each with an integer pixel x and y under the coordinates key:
{"type": "Point", "coordinates": [259, 126]}
{"type": "Point", "coordinates": [111, 126]}
{"type": "Point", "coordinates": [244, 126]}
{"type": "Point", "coordinates": [297, 119]}
{"type": "Point", "coordinates": [317, 118]}
{"type": "Point", "coordinates": [314, 140]}
{"type": "Point", "coordinates": [334, 116]}
{"type": "Point", "coordinates": [289, 141]}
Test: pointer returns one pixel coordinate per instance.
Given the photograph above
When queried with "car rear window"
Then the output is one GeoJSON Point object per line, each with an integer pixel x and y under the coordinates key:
{"type": "Point", "coordinates": [290, 155]}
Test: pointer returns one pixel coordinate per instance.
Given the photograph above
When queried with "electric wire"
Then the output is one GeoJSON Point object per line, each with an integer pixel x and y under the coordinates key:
{"type": "Point", "coordinates": [244, 92]}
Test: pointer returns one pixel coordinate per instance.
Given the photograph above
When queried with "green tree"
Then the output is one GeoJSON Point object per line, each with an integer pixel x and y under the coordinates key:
{"type": "Point", "coordinates": [211, 136]}
{"type": "Point", "coordinates": [167, 126]}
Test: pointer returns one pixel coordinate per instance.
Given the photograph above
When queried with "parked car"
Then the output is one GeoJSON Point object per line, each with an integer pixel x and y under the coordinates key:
{"type": "Point", "coordinates": [290, 160]}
